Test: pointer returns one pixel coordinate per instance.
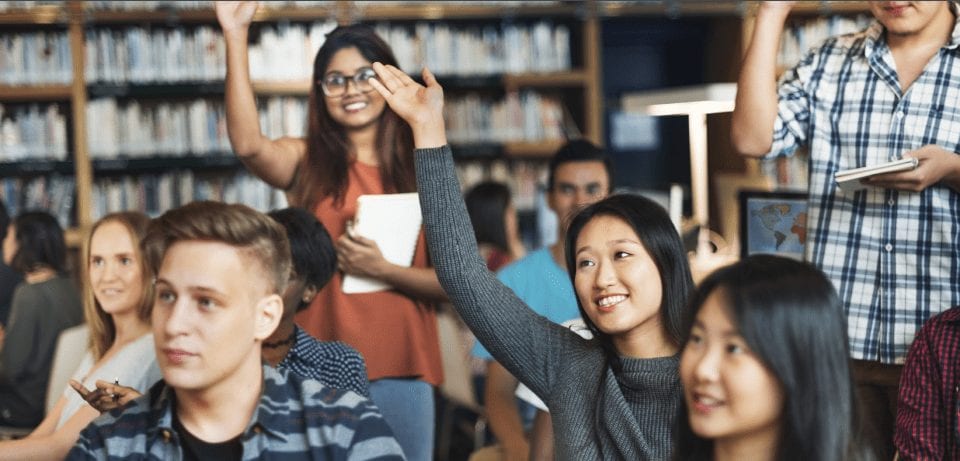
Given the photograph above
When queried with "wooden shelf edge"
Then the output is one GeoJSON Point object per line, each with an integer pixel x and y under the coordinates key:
{"type": "Point", "coordinates": [536, 149]}
{"type": "Point", "coordinates": [35, 93]}
{"type": "Point", "coordinates": [38, 15]}
{"type": "Point", "coordinates": [452, 10]}
{"type": "Point", "coordinates": [570, 78]}
{"type": "Point", "coordinates": [263, 14]}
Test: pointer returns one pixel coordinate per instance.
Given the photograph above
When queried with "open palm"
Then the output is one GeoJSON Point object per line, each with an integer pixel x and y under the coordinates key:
{"type": "Point", "coordinates": [416, 104]}
{"type": "Point", "coordinates": [235, 15]}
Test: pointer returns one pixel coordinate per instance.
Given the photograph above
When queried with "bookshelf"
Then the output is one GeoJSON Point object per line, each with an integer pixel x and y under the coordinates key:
{"type": "Point", "coordinates": [576, 85]}
{"type": "Point", "coordinates": [102, 166]}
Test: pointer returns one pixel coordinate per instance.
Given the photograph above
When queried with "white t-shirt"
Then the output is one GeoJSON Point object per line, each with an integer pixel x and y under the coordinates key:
{"type": "Point", "coordinates": [134, 366]}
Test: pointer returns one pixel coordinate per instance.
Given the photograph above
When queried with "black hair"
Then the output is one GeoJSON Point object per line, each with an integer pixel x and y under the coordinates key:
{"type": "Point", "coordinates": [487, 203]}
{"type": "Point", "coordinates": [311, 248]}
{"type": "Point", "coordinates": [323, 171]}
{"type": "Point", "coordinates": [662, 242]}
{"type": "Point", "coordinates": [40, 243]}
{"type": "Point", "coordinates": [790, 316]}
{"type": "Point", "coordinates": [580, 150]}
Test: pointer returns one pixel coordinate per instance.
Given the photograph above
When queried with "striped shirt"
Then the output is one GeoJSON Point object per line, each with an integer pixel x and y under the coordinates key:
{"type": "Point", "coordinates": [296, 418]}
{"type": "Point", "coordinates": [332, 363]}
{"type": "Point", "coordinates": [928, 408]}
{"type": "Point", "coordinates": [892, 255]}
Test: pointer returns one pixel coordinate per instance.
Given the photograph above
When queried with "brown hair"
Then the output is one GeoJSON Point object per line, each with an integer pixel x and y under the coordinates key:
{"type": "Point", "coordinates": [323, 171]}
{"type": "Point", "coordinates": [258, 236]}
{"type": "Point", "coordinates": [102, 329]}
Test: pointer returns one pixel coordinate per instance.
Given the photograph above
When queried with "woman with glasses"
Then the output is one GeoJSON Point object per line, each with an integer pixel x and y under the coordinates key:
{"type": "Point", "coordinates": [355, 145]}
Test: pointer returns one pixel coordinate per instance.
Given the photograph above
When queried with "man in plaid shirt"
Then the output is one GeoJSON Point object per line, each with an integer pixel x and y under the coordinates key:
{"type": "Point", "coordinates": [890, 91]}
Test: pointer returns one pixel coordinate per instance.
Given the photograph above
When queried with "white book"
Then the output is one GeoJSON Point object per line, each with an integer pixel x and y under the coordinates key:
{"type": "Point", "coordinates": [849, 180]}
{"type": "Point", "coordinates": [393, 222]}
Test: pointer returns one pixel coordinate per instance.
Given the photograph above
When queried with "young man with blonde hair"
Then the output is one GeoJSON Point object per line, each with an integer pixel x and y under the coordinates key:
{"type": "Point", "coordinates": [220, 271]}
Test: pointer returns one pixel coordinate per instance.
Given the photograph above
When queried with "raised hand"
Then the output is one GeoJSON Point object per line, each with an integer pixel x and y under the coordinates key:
{"type": "Point", "coordinates": [235, 16]}
{"type": "Point", "coordinates": [420, 106]}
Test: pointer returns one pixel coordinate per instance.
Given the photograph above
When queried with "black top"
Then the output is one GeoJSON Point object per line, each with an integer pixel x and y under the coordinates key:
{"type": "Point", "coordinates": [195, 449]}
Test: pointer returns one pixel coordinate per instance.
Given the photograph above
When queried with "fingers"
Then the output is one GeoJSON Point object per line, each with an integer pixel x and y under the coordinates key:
{"type": "Point", "coordinates": [401, 75]}
{"type": "Point", "coordinates": [79, 388]}
{"type": "Point", "coordinates": [380, 88]}
{"type": "Point", "coordinates": [429, 78]}
{"type": "Point", "coordinates": [387, 78]}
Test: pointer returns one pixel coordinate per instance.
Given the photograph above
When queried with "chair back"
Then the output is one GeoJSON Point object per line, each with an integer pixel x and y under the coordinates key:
{"type": "Point", "coordinates": [71, 346]}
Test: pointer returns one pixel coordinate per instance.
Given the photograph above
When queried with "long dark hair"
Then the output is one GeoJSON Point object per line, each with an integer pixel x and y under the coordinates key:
{"type": "Point", "coordinates": [323, 172]}
{"type": "Point", "coordinates": [40, 243]}
{"type": "Point", "coordinates": [487, 204]}
{"type": "Point", "coordinates": [661, 240]}
{"type": "Point", "coordinates": [791, 317]}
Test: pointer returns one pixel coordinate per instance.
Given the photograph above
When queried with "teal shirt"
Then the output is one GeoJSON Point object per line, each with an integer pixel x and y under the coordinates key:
{"type": "Point", "coordinates": [542, 285]}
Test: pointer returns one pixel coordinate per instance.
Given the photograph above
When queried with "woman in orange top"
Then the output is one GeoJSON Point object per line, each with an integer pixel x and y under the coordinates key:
{"type": "Point", "coordinates": [355, 145]}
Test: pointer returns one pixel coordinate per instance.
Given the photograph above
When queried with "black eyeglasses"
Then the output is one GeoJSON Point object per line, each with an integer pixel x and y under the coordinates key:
{"type": "Point", "coordinates": [335, 84]}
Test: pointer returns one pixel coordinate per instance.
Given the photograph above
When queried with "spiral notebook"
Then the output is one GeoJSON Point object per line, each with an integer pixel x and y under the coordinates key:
{"type": "Point", "coordinates": [393, 221]}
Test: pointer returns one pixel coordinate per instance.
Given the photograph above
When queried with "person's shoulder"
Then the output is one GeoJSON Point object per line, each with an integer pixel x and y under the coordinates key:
{"type": "Point", "coordinates": [943, 324]}
{"type": "Point", "coordinates": [319, 403]}
{"type": "Point", "coordinates": [522, 267]}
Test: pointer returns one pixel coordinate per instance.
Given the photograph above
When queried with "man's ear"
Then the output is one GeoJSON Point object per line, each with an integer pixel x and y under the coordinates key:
{"type": "Point", "coordinates": [269, 313]}
{"type": "Point", "coordinates": [310, 291]}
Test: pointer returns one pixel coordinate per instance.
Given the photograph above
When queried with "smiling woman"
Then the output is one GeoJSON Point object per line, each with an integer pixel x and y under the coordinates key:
{"type": "Point", "coordinates": [765, 369]}
{"type": "Point", "coordinates": [355, 145]}
{"type": "Point", "coordinates": [117, 304]}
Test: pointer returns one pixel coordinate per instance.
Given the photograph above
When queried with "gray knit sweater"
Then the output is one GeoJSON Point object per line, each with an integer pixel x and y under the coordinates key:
{"type": "Point", "coordinates": [597, 413]}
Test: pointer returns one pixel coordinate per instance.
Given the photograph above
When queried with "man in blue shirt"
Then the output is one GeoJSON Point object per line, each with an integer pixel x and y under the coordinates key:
{"type": "Point", "coordinates": [220, 271]}
{"type": "Point", "coordinates": [580, 174]}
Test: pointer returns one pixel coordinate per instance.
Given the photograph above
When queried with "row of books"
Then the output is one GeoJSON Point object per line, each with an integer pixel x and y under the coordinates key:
{"type": "Point", "coordinates": [285, 51]}
{"type": "Point", "coordinates": [154, 194]}
{"type": "Point", "coordinates": [519, 116]}
{"type": "Point", "coordinates": [19, 5]}
{"type": "Point", "coordinates": [53, 194]}
{"type": "Point", "coordinates": [34, 58]}
{"type": "Point", "coordinates": [494, 49]}
{"type": "Point", "coordinates": [525, 178]}
{"type": "Point", "coordinates": [198, 127]}
{"type": "Point", "coordinates": [32, 132]}
{"type": "Point", "coordinates": [148, 128]}
{"type": "Point", "coordinates": [139, 55]}
{"type": "Point", "coordinates": [800, 37]}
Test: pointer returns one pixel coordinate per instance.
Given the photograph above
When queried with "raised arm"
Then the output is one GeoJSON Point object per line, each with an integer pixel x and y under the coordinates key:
{"type": "Point", "coordinates": [528, 345]}
{"type": "Point", "coordinates": [756, 103]}
{"type": "Point", "coordinates": [274, 161]}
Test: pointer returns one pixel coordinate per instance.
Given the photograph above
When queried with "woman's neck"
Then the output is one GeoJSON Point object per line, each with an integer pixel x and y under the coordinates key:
{"type": "Point", "coordinates": [277, 346]}
{"type": "Point", "coordinates": [757, 446]}
{"type": "Point", "coordinates": [646, 341]}
{"type": "Point", "coordinates": [40, 275]}
{"type": "Point", "coordinates": [129, 327]}
{"type": "Point", "coordinates": [363, 141]}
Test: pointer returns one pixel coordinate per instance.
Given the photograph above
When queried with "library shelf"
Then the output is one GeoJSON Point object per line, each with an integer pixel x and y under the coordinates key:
{"type": "Point", "coordinates": [34, 93]}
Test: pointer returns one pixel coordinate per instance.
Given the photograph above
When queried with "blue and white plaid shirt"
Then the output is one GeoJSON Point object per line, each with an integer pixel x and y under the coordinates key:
{"type": "Point", "coordinates": [296, 418]}
{"type": "Point", "coordinates": [893, 256]}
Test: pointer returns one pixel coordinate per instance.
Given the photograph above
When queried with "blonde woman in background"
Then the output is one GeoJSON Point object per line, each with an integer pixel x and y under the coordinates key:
{"type": "Point", "coordinates": [117, 301]}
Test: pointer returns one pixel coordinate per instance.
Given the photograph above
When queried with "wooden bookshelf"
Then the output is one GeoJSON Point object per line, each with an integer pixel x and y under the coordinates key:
{"type": "Point", "coordinates": [38, 15]}
{"type": "Point", "coordinates": [29, 93]}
